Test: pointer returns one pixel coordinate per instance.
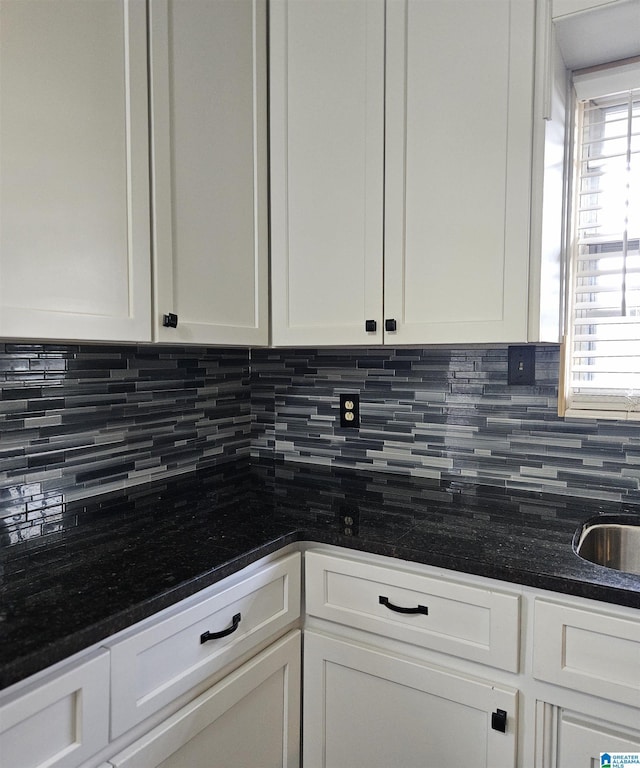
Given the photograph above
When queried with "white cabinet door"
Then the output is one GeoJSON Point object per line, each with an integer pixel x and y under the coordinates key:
{"type": "Point", "coordinates": [74, 170]}
{"type": "Point", "coordinates": [458, 169]}
{"type": "Point", "coordinates": [209, 170]}
{"type": "Point", "coordinates": [364, 707]}
{"type": "Point", "coordinates": [454, 144]}
{"type": "Point", "coordinates": [250, 718]}
{"type": "Point", "coordinates": [567, 7]}
{"type": "Point", "coordinates": [59, 722]}
{"type": "Point", "coordinates": [575, 740]}
{"type": "Point", "coordinates": [327, 136]}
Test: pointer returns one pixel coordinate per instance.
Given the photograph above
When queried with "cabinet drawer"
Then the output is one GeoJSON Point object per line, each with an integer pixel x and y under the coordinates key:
{"type": "Point", "coordinates": [474, 623]}
{"type": "Point", "coordinates": [151, 667]}
{"type": "Point", "coordinates": [58, 723]}
{"type": "Point", "coordinates": [586, 650]}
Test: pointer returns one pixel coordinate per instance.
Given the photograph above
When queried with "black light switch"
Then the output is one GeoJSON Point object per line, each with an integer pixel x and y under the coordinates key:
{"type": "Point", "coordinates": [522, 365]}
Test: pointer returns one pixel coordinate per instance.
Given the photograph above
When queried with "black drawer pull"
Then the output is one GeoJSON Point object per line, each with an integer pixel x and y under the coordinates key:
{"type": "Point", "coordinates": [235, 623]}
{"type": "Point", "coordinates": [398, 609]}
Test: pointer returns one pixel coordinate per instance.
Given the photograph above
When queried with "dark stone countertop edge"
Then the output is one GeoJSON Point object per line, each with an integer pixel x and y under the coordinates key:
{"type": "Point", "coordinates": [60, 650]}
{"type": "Point", "coordinates": [189, 533]}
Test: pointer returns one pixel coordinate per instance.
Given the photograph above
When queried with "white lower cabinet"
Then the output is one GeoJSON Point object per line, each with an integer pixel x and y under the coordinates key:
{"type": "Point", "coordinates": [404, 665]}
{"type": "Point", "coordinates": [61, 721]}
{"type": "Point", "coordinates": [211, 682]}
{"type": "Point", "coordinates": [576, 740]}
{"type": "Point", "coordinates": [367, 707]}
{"type": "Point", "coordinates": [250, 718]}
{"type": "Point", "coordinates": [391, 672]}
{"type": "Point", "coordinates": [407, 665]}
{"type": "Point", "coordinates": [589, 656]}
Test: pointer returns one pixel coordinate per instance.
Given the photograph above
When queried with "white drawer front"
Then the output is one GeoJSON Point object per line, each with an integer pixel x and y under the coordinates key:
{"type": "Point", "coordinates": [470, 622]}
{"type": "Point", "coordinates": [59, 723]}
{"type": "Point", "coordinates": [155, 665]}
{"type": "Point", "coordinates": [590, 651]}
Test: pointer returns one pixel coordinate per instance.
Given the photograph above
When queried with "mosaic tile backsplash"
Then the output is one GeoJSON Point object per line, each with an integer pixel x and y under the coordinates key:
{"type": "Point", "coordinates": [77, 420]}
{"type": "Point", "coordinates": [439, 413]}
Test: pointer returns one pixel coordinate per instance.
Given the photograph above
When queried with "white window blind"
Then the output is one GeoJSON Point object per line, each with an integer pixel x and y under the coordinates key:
{"type": "Point", "coordinates": [602, 374]}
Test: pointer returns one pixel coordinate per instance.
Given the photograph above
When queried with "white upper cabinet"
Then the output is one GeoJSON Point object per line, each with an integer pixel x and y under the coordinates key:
{"type": "Point", "coordinates": [76, 219]}
{"type": "Point", "coordinates": [457, 169]}
{"type": "Point", "coordinates": [209, 170]}
{"type": "Point", "coordinates": [74, 197]}
{"type": "Point", "coordinates": [327, 149]}
{"type": "Point", "coordinates": [412, 163]}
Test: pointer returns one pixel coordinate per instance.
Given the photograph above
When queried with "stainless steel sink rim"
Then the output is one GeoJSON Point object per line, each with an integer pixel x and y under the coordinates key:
{"type": "Point", "coordinates": [610, 541]}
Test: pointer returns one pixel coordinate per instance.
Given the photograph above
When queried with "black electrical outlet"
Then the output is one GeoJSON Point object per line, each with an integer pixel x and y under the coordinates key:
{"type": "Point", "coordinates": [522, 365]}
{"type": "Point", "coordinates": [350, 411]}
{"type": "Point", "coordinates": [348, 519]}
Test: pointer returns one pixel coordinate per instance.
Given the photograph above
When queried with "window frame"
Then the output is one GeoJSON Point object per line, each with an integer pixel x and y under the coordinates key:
{"type": "Point", "coordinates": [607, 402]}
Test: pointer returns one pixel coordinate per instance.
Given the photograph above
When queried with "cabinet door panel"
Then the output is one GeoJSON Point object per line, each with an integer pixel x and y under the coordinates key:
{"type": "Point", "coordinates": [58, 723]}
{"type": "Point", "coordinates": [250, 718]}
{"type": "Point", "coordinates": [74, 228]}
{"type": "Point", "coordinates": [327, 133]}
{"type": "Point", "coordinates": [353, 698]}
{"type": "Point", "coordinates": [582, 741]}
{"type": "Point", "coordinates": [575, 740]}
{"type": "Point", "coordinates": [457, 169]}
{"type": "Point", "coordinates": [209, 172]}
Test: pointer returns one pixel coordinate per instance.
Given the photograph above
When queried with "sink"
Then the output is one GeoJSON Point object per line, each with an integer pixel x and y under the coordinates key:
{"type": "Point", "coordinates": [611, 541]}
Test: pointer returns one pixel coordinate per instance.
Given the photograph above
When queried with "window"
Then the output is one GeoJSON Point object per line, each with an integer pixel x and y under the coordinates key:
{"type": "Point", "coordinates": [602, 366]}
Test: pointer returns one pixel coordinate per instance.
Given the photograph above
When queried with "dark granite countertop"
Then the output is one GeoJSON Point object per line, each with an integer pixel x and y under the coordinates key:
{"type": "Point", "coordinates": [120, 557]}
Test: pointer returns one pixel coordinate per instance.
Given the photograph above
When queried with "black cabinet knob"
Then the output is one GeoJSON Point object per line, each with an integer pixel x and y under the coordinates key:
{"type": "Point", "coordinates": [370, 326]}
{"type": "Point", "coordinates": [390, 324]}
{"type": "Point", "coordinates": [170, 320]}
{"type": "Point", "coordinates": [499, 720]}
